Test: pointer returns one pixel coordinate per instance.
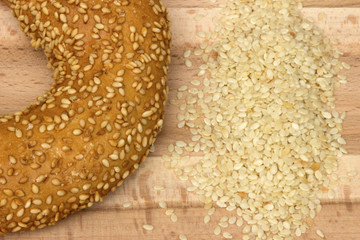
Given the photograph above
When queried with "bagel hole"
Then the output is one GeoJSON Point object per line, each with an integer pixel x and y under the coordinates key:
{"type": "Point", "coordinates": [23, 72]}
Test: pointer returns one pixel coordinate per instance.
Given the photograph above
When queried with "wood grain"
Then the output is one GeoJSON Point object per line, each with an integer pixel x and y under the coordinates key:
{"type": "Point", "coordinates": [306, 3]}
{"type": "Point", "coordinates": [115, 223]}
{"type": "Point", "coordinates": [24, 76]}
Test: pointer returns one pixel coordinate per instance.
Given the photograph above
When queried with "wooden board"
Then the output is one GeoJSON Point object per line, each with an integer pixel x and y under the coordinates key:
{"type": "Point", "coordinates": [23, 76]}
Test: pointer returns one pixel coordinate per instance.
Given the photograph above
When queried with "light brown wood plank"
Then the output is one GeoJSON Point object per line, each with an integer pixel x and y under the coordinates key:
{"type": "Point", "coordinates": [342, 24]}
{"type": "Point", "coordinates": [25, 84]}
{"type": "Point", "coordinates": [331, 3]}
{"type": "Point", "coordinates": [306, 3]}
{"type": "Point", "coordinates": [138, 188]}
{"type": "Point", "coordinates": [339, 220]}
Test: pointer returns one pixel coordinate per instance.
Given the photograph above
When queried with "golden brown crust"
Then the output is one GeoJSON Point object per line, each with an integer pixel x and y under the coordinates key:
{"type": "Point", "coordinates": [98, 121]}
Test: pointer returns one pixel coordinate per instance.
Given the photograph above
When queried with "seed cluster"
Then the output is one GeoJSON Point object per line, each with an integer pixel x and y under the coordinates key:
{"type": "Point", "coordinates": [263, 117]}
{"type": "Point", "coordinates": [97, 122]}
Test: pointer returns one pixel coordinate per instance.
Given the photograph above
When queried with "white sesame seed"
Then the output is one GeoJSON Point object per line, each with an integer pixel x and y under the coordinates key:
{"type": "Point", "coordinates": [77, 132]}
{"type": "Point", "coordinates": [261, 124]}
{"type": "Point", "coordinates": [211, 211]}
{"type": "Point", "coordinates": [182, 237]}
{"type": "Point", "coordinates": [206, 219]}
{"type": "Point", "coordinates": [352, 173]}
{"type": "Point", "coordinates": [326, 115]}
{"type": "Point", "coordinates": [320, 233]}
{"type": "Point", "coordinates": [127, 204]}
{"type": "Point", "coordinates": [147, 113]}
{"type": "Point", "coordinates": [173, 218]}
{"type": "Point", "coordinates": [183, 88]}
{"type": "Point", "coordinates": [162, 204]}
{"type": "Point", "coordinates": [169, 212]}
{"type": "Point", "coordinates": [201, 34]}
{"type": "Point", "coordinates": [232, 220]}
{"type": "Point", "coordinates": [345, 65]}
{"type": "Point", "coordinates": [148, 227]}
{"type": "Point", "coordinates": [187, 53]}
{"type": "Point", "coordinates": [239, 222]}
{"type": "Point", "coordinates": [217, 230]}
{"type": "Point", "coordinates": [331, 194]}
{"type": "Point", "coordinates": [159, 187]}
{"type": "Point", "coordinates": [188, 63]}
{"type": "Point", "coordinates": [227, 235]}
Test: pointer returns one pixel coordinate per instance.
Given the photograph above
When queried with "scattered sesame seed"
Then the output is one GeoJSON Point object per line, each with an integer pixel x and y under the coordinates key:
{"type": "Point", "coordinates": [148, 227]}
{"type": "Point", "coordinates": [331, 194]}
{"type": "Point", "coordinates": [159, 187]}
{"type": "Point", "coordinates": [345, 65]}
{"type": "Point", "coordinates": [236, 112]}
{"type": "Point", "coordinates": [320, 233]}
{"type": "Point", "coordinates": [77, 132]}
{"type": "Point", "coordinates": [217, 230]}
{"type": "Point", "coordinates": [127, 204]}
{"type": "Point", "coordinates": [173, 218]}
{"type": "Point", "coordinates": [188, 63]}
{"type": "Point", "coordinates": [352, 173]}
{"type": "Point", "coordinates": [162, 204]}
{"type": "Point", "coordinates": [206, 219]}
{"type": "Point", "coordinates": [227, 235]}
{"type": "Point", "coordinates": [169, 212]}
{"type": "Point", "coordinates": [187, 53]}
{"type": "Point", "coordinates": [201, 34]}
{"type": "Point", "coordinates": [182, 237]}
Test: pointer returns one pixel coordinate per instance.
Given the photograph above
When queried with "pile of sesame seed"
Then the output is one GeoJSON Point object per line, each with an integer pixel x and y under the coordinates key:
{"type": "Point", "coordinates": [262, 114]}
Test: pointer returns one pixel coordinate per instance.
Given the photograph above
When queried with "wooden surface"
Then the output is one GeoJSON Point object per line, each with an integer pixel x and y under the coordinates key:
{"type": "Point", "coordinates": [23, 76]}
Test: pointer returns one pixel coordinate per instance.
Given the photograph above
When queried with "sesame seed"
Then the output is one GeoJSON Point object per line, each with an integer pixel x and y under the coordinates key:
{"type": "Point", "coordinates": [206, 219]}
{"type": "Point", "coordinates": [35, 189]}
{"type": "Point", "coordinates": [61, 193]}
{"type": "Point", "coordinates": [63, 18]}
{"type": "Point", "coordinates": [127, 204]}
{"type": "Point", "coordinates": [217, 230]}
{"type": "Point", "coordinates": [187, 53]}
{"type": "Point", "coordinates": [188, 63]}
{"type": "Point", "coordinates": [230, 96]}
{"type": "Point", "coordinates": [173, 217]}
{"type": "Point", "coordinates": [132, 29]}
{"type": "Point", "coordinates": [18, 133]}
{"type": "Point", "coordinates": [227, 235]}
{"type": "Point", "coordinates": [182, 237]}
{"type": "Point", "coordinates": [147, 113]}
{"type": "Point", "coordinates": [352, 173]}
{"type": "Point", "coordinates": [12, 159]}
{"type": "Point", "coordinates": [148, 227]}
{"type": "Point", "coordinates": [320, 233]}
{"type": "Point", "coordinates": [106, 163]}
{"type": "Point", "coordinates": [162, 204]}
{"type": "Point", "coordinates": [169, 212]}
{"type": "Point", "coordinates": [331, 194]}
{"type": "Point", "coordinates": [159, 187]}
{"type": "Point", "coordinates": [345, 65]}
{"type": "Point", "coordinates": [77, 132]}
{"type": "Point", "coordinates": [99, 26]}
{"type": "Point", "coordinates": [83, 197]}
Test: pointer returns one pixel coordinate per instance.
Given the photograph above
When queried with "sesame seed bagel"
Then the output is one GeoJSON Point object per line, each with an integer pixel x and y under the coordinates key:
{"type": "Point", "coordinates": [97, 122]}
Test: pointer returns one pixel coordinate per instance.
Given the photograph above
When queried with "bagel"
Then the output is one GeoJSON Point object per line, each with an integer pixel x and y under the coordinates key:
{"type": "Point", "coordinates": [97, 122]}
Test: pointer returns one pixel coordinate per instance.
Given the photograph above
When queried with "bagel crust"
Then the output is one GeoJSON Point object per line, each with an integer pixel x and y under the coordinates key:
{"type": "Point", "coordinates": [97, 122]}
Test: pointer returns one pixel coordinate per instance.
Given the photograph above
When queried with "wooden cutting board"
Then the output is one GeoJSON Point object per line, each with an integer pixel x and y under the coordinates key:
{"type": "Point", "coordinates": [23, 76]}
